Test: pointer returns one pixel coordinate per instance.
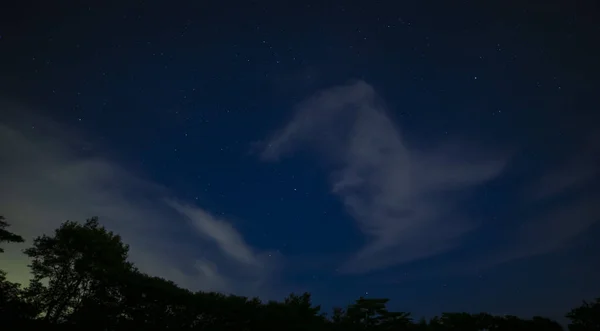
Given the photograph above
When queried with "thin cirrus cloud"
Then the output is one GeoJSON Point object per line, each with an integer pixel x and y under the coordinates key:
{"type": "Point", "coordinates": [404, 200]}
{"type": "Point", "coordinates": [557, 207]}
{"type": "Point", "coordinates": [576, 171]}
{"type": "Point", "coordinates": [220, 232]}
{"type": "Point", "coordinates": [564, 199]}
{"type": "Point", "coordinates": [50, 175]}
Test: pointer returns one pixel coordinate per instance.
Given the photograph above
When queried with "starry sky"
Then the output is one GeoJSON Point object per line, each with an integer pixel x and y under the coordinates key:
{"type": "Point", "coordinates": [444, 154]}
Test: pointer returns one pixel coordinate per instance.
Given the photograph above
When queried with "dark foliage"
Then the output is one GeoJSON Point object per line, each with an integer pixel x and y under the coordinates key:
{"type": "Point", "coordinates": [7, 236]}
{"type": "Point", "coordinates": [82, 280]}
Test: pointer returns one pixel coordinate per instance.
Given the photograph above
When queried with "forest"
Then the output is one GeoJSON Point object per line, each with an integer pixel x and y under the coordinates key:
{"type": "Point", "coordinates": [82, 280]}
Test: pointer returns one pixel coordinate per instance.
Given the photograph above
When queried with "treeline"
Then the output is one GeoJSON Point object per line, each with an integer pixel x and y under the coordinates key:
{"type": "Point", "coordinates": [82, 280]}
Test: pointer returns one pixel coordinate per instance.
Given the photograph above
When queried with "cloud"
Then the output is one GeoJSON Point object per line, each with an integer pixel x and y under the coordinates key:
{"type": "Point", "coordinates": [220, 231]}
{"type": "Point", "coordinates": [573, 173]}
{"type": "Point", "coordinates": [562, 202]}
{"type": "Point", "coordinates": [556, 209]}
{"type": "Point", "coordinates": [557, 226]}
{"type": "Point", "coordinates": [405, 200]}
{"type": "Point", "coordinates": [50, 174]}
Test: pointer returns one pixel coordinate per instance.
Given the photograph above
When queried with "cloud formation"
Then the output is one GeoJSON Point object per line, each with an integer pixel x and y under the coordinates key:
{"type": "Point", "coordinates": [405, 200]}
{"type": "Point", "coordinates": [220, 232]}
{"type": "Point", "coordinates": [408, 200]}
{"type": "Point", "coordinates": [576, 171]}
{"type": "Point", "coordinates": [50, 174]}
{"type": "Point", "coordinates": [567, 196]}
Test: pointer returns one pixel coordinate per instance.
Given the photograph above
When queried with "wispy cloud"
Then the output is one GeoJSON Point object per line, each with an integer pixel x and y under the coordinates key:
{"type": "Point", "coordinates": [50, 174]}
{"type": "Point", "coordinates": [577, 170]}
{"type": "Point", "coordinates": [404, 199]}
{"type": "Point", "coordinates": [220, 232]}
{"type": "Point", "coordinates": [551, 216]}
{"type": "Point", "coordinates": [562, 202]}
{"type": "Point", "coordinates": [556, 226]}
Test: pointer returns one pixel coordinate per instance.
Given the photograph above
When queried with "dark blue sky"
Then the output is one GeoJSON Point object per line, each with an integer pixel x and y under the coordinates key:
{"type": "Point", "coordinates": [442, 154]}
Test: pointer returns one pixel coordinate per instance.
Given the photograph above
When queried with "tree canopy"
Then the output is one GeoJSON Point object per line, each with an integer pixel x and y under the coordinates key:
{"type": "Point", "coordinates": [7, 236]}
{"type": "Point", "coordinates": [83, 280]}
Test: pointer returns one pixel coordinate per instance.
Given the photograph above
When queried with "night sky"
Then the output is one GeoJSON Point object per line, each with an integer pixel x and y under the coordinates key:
{"type": "Point", "coordinates": [444, 154]}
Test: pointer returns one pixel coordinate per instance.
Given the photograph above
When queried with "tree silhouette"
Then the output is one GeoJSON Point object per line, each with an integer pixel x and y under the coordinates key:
{"type": "Point", "coordinates": [83, 280]}
{"type": "Point", "coordinates": [585, 317]}
{"type": "Point", "coordinates": [370, 314]}
{"type": "Point", "coordinates": [7, 236]}
{"type": "Point", "coordinates": [80, 265]}
{"type": "Point", "coordinates": [543, 323]}
{"type": "Point", "coordinates": [13, 308]}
